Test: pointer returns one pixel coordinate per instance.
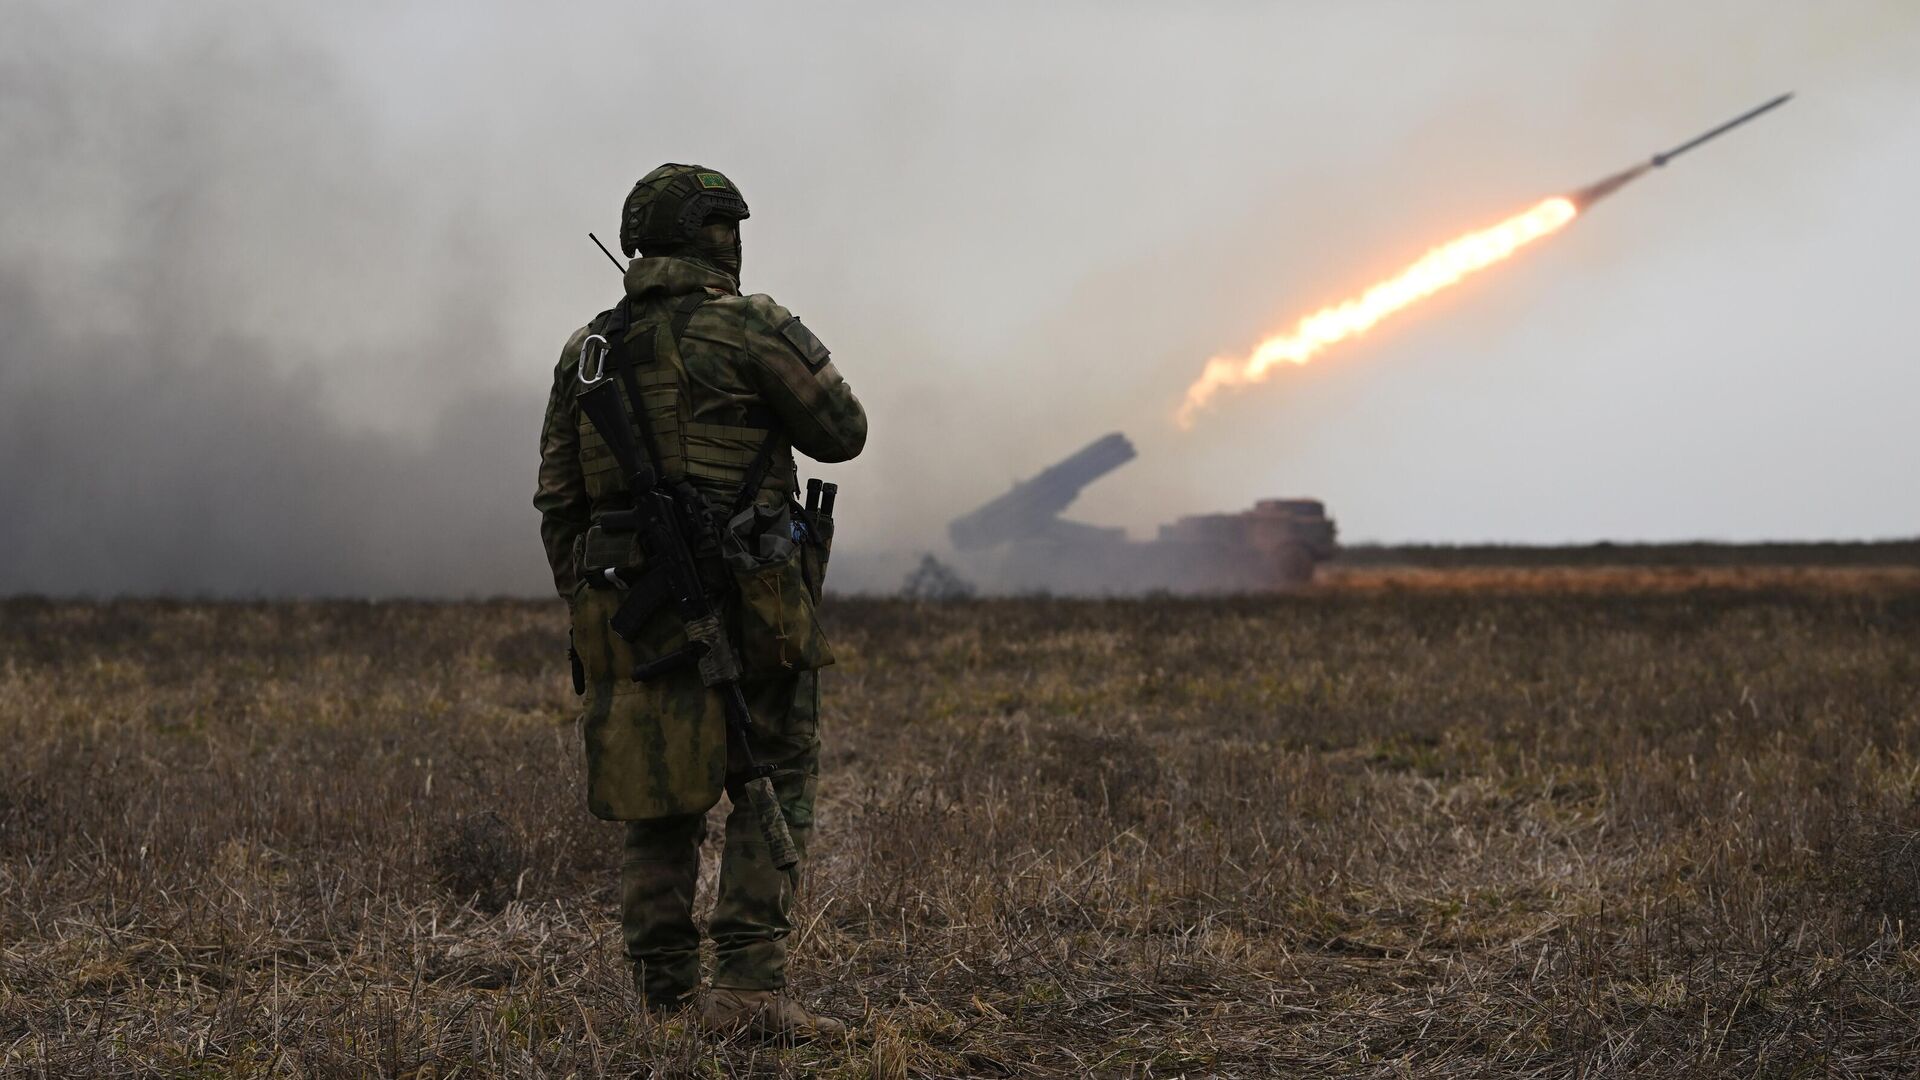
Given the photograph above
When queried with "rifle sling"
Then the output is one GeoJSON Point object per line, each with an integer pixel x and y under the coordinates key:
{"type": "Point", "coordinates": [628, 358]}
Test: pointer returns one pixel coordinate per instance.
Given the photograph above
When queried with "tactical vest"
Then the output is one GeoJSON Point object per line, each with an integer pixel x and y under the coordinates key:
{"type": "Point", "coordinates": [773, 581]}
{"type": "Point", "coordinates": [718, 458]}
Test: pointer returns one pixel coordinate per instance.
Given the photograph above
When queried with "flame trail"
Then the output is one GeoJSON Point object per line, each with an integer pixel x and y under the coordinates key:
{"type": "Point", "coordinates": [1437, 269]}
{"type": "Point", "coordinates": [1443, 266]}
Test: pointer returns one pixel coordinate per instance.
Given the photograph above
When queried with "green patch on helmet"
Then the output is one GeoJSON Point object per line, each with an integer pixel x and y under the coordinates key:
{"type": "Point", "coordinates": [713, 180]}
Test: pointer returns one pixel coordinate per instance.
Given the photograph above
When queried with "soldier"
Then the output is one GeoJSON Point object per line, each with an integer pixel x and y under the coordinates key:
{"type": "Point", "coordinates": [730, 387]}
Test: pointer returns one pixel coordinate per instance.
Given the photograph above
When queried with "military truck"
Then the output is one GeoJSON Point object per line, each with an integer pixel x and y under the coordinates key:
{"type": "Point", "coordinates": [1019, 541]}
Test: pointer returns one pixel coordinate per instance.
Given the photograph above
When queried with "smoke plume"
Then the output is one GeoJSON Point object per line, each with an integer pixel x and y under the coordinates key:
{"type": "Point", "coordinates": [281, 285]}
{"type": "Point", "coordinates": [169, 333]}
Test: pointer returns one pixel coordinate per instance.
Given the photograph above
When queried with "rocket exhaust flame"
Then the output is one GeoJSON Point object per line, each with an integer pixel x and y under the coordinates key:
{"type": "Point", "coordinates": [1445, 265]}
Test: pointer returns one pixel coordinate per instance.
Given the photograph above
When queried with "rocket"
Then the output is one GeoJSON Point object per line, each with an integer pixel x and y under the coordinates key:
{"type": "Point", "coordinates": [1600, 189]}
{"type": "Point", "coordinates": [1439, 268]}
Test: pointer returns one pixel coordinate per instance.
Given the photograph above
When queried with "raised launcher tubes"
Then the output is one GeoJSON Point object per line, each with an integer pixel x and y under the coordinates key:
{"type": "Point", "coordinates": [1034, 506]}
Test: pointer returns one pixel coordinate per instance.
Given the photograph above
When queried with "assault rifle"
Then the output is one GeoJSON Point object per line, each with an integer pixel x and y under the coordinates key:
{"type": "Point", "coordinates": [669, 522]}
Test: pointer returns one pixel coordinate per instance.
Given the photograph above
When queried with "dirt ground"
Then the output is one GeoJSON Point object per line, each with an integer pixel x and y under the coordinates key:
{"type": "Point", "coordinates": [1421, 823]}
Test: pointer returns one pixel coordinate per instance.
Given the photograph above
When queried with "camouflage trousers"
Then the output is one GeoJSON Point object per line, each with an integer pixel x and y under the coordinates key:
{"type": "Point", "coordinates": [752, 913]}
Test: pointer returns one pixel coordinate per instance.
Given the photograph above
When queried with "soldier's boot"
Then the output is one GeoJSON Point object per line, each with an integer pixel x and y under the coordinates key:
{"type": "Point", "coordinates": [764, 1014]}
{"type": "Point", "coordinates": [659, 869]}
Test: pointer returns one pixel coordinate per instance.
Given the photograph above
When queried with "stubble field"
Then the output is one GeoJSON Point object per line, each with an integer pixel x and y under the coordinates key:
{"type": "Point", "coordinates": [1440, 823]}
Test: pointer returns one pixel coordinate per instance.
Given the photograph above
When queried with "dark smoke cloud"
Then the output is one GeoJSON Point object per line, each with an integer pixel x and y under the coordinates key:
{"type": "Point", "coordinates": [165, 422]}
{"type": "Point", "coordinates": [144, 462]}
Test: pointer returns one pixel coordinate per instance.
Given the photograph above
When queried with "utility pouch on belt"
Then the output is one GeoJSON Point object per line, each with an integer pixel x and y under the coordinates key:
{"type": "Point", "coordinates": [779, 631]}
{"type": "Point", "coordinates": [606, 549]}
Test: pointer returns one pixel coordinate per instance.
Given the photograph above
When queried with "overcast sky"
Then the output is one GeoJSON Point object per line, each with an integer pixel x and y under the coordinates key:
{"type": "Point", "coordinates": [281, 287]}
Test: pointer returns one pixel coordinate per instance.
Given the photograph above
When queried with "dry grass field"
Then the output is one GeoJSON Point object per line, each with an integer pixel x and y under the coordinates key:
{"type": "Point", "coordinates": [1469, 823]}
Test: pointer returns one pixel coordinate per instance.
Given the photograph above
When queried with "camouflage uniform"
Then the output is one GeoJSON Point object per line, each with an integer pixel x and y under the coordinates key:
{"type": "Point", "coordinates": [657, 752]}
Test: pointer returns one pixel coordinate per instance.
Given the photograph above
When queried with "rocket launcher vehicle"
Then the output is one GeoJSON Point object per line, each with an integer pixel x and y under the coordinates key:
{"type": "Point", "coordinates": [1021, 542]}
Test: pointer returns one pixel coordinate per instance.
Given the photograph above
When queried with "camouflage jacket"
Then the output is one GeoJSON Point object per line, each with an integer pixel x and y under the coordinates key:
{"type": "Point", "coordinates": [750, 366]}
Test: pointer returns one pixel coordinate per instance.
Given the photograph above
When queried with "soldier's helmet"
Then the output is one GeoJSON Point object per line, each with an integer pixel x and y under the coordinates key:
{"type": "Point", "coordinates": [665, 210]}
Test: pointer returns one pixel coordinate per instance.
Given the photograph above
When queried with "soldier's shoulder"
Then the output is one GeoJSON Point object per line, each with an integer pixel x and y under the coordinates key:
{"type": "Point", "coordinates": [765, 309]}
{"type": "Point", "coordinates": [771, 324]}
{"type": "Point", "coordinates": [570, 352]}
{"type": "Point", "coordinates": [722, 319]}
{"type": "Point", "coordinates": [757, 309]}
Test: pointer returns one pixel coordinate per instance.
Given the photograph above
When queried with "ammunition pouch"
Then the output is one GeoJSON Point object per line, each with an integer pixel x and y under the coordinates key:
{"type": "Point", "coordinates": [814, 532]}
